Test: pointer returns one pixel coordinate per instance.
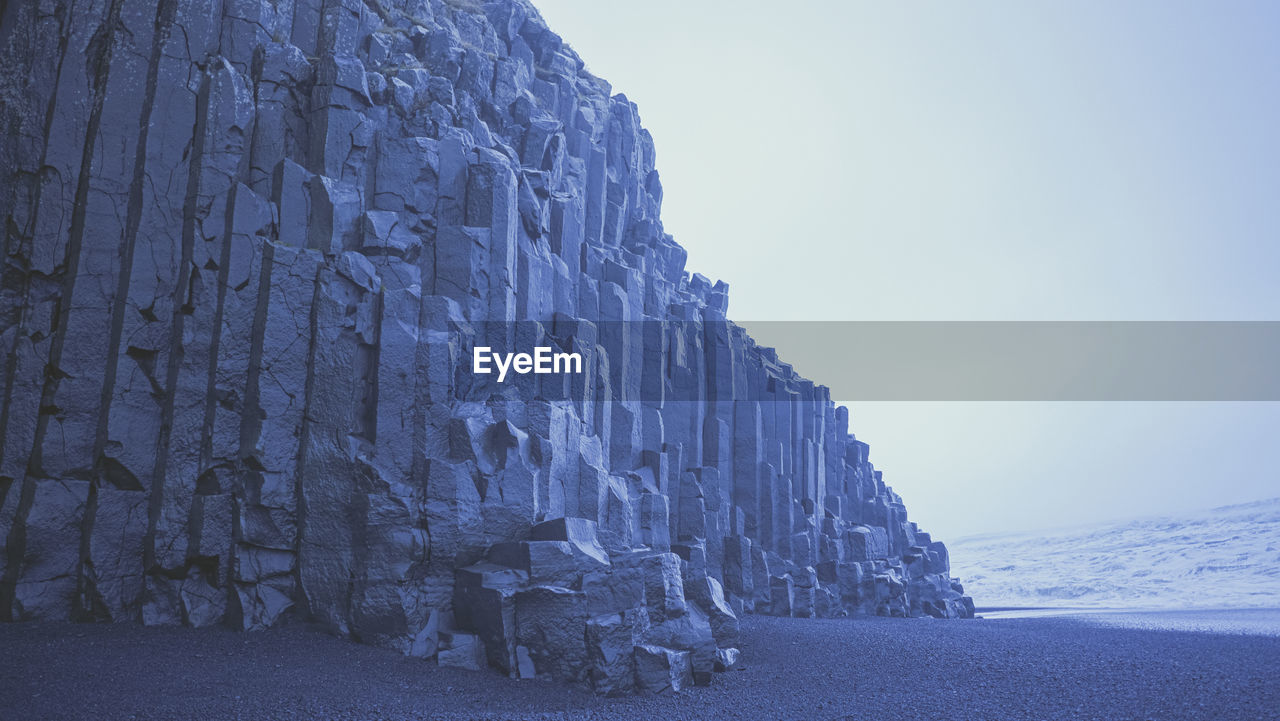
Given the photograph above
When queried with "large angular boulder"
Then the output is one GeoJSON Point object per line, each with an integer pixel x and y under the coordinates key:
{"type": "Point", "coordinates": [551, 624]}
{"type": "Point", "coordinates": [661, 670]}
{"type": "Point", "coordinates": [663, 582]}
{"type": "Point", "coordinates": [484, 604]}
{"type": "Point", "coordinates": [611, 643]}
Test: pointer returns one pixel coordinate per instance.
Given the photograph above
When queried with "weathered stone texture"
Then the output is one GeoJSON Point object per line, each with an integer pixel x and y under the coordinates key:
{"type": "Point", "coordinates": [247, 248]}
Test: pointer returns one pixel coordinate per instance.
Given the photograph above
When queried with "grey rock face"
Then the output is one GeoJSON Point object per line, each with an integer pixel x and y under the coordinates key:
{"type": "Point", "coordinates": [249, 249]}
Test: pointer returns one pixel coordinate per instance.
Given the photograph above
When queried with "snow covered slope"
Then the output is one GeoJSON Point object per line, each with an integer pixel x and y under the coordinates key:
{"type": "Point", "coordinates": [1227, 557]}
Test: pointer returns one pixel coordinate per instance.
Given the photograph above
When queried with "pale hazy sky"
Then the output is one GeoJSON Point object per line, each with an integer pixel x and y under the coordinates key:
{"type": "Point", "coordinates": [1009, 160]}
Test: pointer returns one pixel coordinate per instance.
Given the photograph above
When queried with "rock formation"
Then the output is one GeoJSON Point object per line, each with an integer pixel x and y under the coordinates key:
{"type": "Point", "coordinates": [249, 246]}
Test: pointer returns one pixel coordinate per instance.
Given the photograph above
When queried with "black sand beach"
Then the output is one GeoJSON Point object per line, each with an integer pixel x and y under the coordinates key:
{"type": "Point", "coordinates": [1012, 668]}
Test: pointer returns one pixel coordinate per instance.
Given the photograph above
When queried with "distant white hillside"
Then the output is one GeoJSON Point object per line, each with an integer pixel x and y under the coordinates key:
{"type": "Point", "coordinates": [1223, 558]}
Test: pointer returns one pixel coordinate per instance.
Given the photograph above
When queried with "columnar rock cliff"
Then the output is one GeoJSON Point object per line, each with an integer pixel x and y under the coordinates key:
{"type": "Point", "coordinates": [249, 247]}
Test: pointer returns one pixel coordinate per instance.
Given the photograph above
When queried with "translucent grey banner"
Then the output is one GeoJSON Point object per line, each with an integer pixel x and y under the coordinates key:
{"type": "Point", "coordinates": [713, 360]}
{"type": "Point", "coordinates": [1035, 361]}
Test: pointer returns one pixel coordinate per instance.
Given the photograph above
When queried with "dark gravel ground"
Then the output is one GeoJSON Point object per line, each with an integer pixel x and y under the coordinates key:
{"type": "Point", "coordinates": [1033, 668]}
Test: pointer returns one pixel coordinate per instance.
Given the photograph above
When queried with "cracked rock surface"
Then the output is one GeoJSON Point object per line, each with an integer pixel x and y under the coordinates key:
{"type": "Point", "coordinates": [248, 247]}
